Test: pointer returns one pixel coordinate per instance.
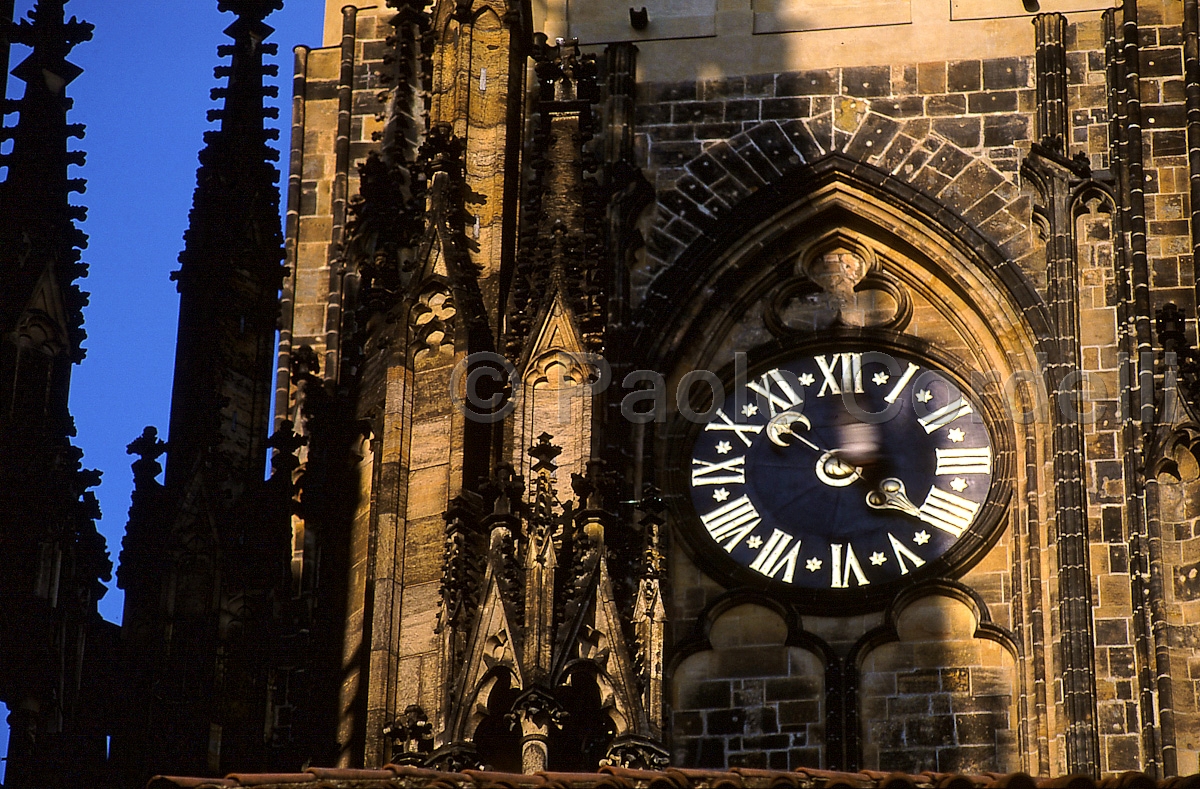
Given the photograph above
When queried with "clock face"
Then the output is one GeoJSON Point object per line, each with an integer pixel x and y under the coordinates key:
{"type": "Point", "coordinates": [842, 471]}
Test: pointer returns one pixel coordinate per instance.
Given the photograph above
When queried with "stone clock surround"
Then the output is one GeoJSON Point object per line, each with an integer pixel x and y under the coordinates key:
{"type": "Point", "coordinates": [961, 693]}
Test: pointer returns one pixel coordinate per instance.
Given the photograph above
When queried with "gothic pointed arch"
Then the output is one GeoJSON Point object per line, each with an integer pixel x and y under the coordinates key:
{"type": "Point", "coordinates": [747, 252]}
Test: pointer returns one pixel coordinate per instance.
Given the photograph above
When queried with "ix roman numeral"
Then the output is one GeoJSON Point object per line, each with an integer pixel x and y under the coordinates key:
{"type": "Point", "coordinates": [775, 403]}
{"type": "Point", "coordinates": [851, 373]}
{"type": "Point", "coordinates": [965, 460]}
{"type": "Point", "coordinates": [734, 520]}
{"type": "Point", "coordinates": [705, 473]}
{"type": "Point", "coordinates": [771, 559]}
{"type": "Point", "coordinates": [945, 415]}
{"type": "Point", "coordinates": [949, 512]}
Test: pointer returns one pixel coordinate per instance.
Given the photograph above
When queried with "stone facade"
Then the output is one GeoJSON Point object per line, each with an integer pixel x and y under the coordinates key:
{"type": "Point", "coordinates": [504, 218]}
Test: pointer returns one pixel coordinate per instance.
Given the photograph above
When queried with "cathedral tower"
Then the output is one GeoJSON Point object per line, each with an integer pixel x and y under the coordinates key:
{"type": "Point", "coordinates": [204, 557]}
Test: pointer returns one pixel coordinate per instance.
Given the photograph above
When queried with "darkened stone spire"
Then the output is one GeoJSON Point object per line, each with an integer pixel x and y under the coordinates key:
{"type": "Point", "coordinates": [39, 243]}
{"type": "Point", "coordinates": [37, 166]}
{"type": "Point", "coordinates": [52, 559]}
{"type": "Point", "coordinates": [230, 270]}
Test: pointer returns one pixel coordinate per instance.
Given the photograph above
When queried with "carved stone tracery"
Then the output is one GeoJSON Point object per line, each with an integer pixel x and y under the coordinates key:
{"type": "Point", "coordinates": [839, 283]}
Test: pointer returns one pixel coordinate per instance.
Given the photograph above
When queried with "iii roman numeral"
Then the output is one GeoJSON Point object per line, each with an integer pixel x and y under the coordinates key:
{"type": "Point", "coordinates": [965, 460]}
{"type": "Point", "coordinates": [945, 415]}
{"type": "Point", "coordinates": [850, 379]}
{"type": "Point", "coordinates": [947, 511]}
{"type": "Point", "coordinates": [771, 559]}
{"type": "Point", "coordinates": [734, 520]}
{"type": "Point", "coordinates": [705, 473]}
{"type": "Point", "coordinates": [776, 403]}
{"type": "Point", "coordinates": [728, 424]}
{"type": "Point", "coordinates": [841, 572]}
{"type": "Point", "coordinates": [901, 553]}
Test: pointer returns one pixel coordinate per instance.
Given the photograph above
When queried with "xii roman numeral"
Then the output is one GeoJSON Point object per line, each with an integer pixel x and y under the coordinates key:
{"type": "Point", "coordinates": [850, 378]}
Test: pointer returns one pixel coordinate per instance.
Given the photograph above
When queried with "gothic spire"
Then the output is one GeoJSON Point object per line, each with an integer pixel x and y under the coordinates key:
{"type": "Point", "coordinates": [39, 243]}
{"type": "Point", "coordinates": [230, 270]}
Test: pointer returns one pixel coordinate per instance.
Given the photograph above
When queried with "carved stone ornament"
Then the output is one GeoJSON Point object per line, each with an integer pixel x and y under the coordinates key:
{"type": "Point", "coordinates": [839, 283]}
{"type": "Point", "coordinates": [636, 753]}
{"type": "Point", "coordinates": [411, 736]}
{"type": "Point", "coordinates": [432, 316]}
{"type": "Point", "coordinates": [1178, 456]}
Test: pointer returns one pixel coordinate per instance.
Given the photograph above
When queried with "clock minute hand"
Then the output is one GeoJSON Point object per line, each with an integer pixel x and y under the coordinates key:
{"type": "Point", "coordinates": [890, 495]}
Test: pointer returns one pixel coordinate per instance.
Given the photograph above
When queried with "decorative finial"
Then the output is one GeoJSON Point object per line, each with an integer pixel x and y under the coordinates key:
{"type": "Point", "coordinates": [544, 453]}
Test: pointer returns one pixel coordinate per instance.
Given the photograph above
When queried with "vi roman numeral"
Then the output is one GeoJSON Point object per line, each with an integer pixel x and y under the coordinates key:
{"type": "Point", "coordinates": [842, 569]}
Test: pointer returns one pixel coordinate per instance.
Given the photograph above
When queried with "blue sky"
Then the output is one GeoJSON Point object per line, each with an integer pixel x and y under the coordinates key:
{"type": "Point", "coordinates": [143, 94]}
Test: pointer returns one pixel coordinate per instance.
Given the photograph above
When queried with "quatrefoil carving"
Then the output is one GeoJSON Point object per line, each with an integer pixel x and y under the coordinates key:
{"type": "Point", "coordinates": [432, 319]}
{"type": "Point", "coordinates": [840, 283]}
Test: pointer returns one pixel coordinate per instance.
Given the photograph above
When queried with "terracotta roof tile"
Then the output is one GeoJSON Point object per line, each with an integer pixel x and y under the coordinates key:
{"type": "Point", "coordinates": [408, 777]}
{"type": "Point", "coordinates": [335, 774]}
{"type": "Point", "coordinates": [270, 779]}
{"type": "Point", "coordinates": [169, 781]}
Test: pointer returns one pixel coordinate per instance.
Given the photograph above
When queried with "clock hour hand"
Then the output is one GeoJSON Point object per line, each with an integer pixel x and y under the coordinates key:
{"type": "Point", "coordinates": [890, 495]}
{"type": "Point", "coordinates": [781, 425]}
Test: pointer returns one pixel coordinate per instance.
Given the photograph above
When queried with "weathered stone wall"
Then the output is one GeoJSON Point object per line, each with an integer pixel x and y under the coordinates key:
{"type": "Point", "coordinates": [749, 700]}
{"type": "Point", "coordinates": [940, 697]}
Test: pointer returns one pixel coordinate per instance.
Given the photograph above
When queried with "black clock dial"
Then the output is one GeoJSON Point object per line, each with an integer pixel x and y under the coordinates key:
{"type": "Point", "coordinates": [841, 470]}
